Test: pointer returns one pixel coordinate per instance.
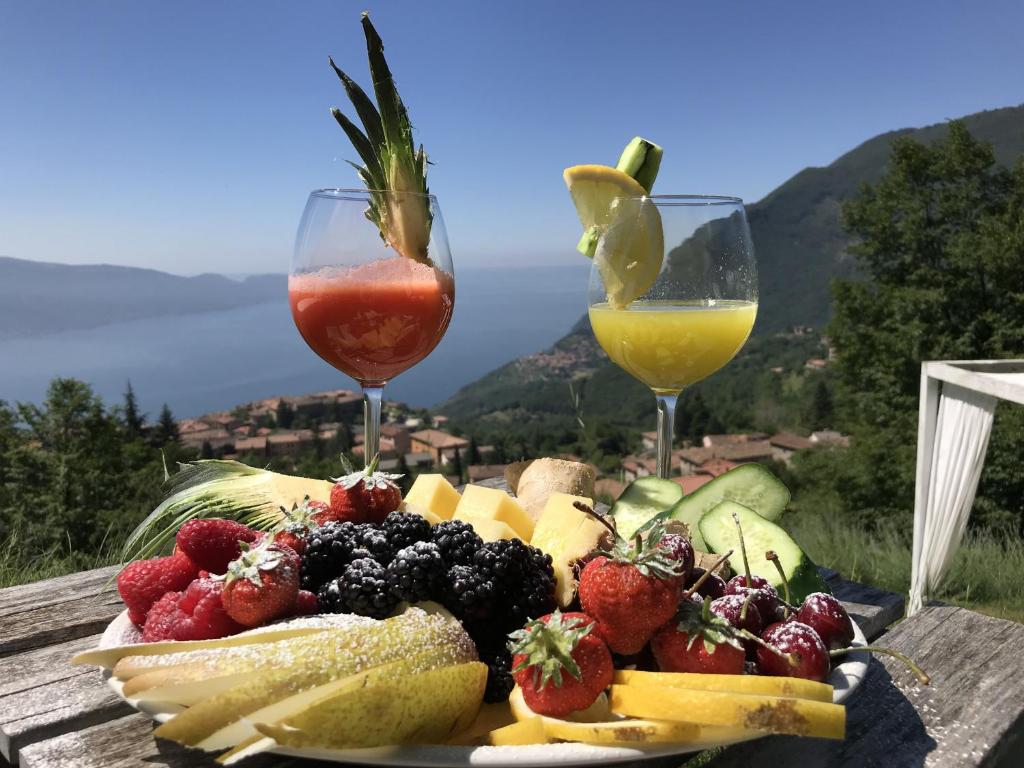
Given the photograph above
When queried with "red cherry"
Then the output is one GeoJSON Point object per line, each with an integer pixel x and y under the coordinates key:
{"type": "Point", "coordinates": [825, 615]}
{"type": "Point", "coordinates": [766, 598]}
{"type": "Point", "coordinates": [713, 586]}
{"type": "Point", "coordinates": [802, 644]}
{"type": "Point", "coordinates": [730, 608]}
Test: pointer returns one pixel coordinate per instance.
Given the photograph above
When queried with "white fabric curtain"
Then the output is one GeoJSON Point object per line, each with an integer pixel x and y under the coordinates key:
{"type": "Point", "coordinates": [962, 430]}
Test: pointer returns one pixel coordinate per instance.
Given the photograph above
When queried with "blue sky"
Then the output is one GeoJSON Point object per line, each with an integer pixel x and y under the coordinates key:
{"type": "Point", "coordinates": [185, 136]}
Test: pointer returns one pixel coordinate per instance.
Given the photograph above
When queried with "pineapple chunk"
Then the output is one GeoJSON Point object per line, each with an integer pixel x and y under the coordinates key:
{"type": "Point", "coordinates": [567, 535]}
{"type": "Point", "coordinates": [492, 530]}
{"type": "Point", "coordinates": [434, 494]}
{"type": "Point", "coordinates": [494, 504]}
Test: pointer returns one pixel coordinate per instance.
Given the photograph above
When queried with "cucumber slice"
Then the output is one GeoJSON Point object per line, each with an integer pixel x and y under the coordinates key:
{"type": "Point", "coordinates": [719, 532]}
{"type": "Point", "coordinates": [642, 500]}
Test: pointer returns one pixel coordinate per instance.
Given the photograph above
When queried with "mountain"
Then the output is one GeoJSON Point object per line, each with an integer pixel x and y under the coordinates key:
{"type": "Point", "coordinates": [38, 297]}
{"type": "Point", "coordinates": [797, 228]}
{"type": "Point", "coordinates": [801, 247]}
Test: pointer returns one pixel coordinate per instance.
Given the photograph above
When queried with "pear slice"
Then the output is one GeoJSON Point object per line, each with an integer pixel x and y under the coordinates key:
{"type": "Point", "coordinates": [425, 708]}
{"type": "Point", "coordinates": [165, 686]}
{"type": "Point", "coordinates": [423, 639]}
{"type": "Point", "coordinates": [108, 657]}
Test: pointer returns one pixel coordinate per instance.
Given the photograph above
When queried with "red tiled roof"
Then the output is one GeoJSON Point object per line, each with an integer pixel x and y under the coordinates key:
{"type": "Point", "coordinates": [435, 438]}
{"type": "Point", "coordinates": [716, 467]}
{"type": "Point", "coordinates": [790, 441]}
{"type": "Point", "coordinates": [690, 483]}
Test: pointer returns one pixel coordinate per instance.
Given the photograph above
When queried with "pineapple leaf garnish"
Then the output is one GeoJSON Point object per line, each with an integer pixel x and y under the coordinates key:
{"type": "Point", "coordinates": [393, 170]}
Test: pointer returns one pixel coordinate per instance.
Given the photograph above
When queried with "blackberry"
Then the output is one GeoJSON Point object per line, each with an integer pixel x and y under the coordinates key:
{"type": "Point", "coordinates": [361, 589]}
{"type": "Point", "coordinates": [328, 550]}
{"type": "Point", "coordinates": [373, 539]}
{"type": "Point", "coordinates": [523, 577]}
{"type": "Point", "coordinates": [403, 529]}
{"type": "Point", "coordinates": [417, 572]}
{"type": "Point", "coordinates": [457, 541]}
{"type": "Point", "coordinates": [499, 676]}
{"type": "Point", "coordinates": [470, 593]}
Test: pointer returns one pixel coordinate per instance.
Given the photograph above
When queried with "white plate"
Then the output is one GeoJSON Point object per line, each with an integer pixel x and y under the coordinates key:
{"type": "Point", "coordinates": [845, 678]}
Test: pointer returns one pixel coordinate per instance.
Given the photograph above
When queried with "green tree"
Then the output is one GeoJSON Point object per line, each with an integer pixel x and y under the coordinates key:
{"type": "Point", "coordinates": [166, 432]}
{"type": "Point", "coordinates": [285, 415]}
{"type": "Point", "coordinates": [455, 465]}
{"type": "Point", "coordinates": [134, 421]}
{"type": "Point", "coordinates": [473, 452]}
{"type": "Point", "coordinates": [941, 241]}
{"type": "Point", "coordinates": [820, 415]}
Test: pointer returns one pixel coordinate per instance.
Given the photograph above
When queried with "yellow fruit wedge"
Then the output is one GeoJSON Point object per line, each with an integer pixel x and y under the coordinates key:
{"type": "Point", "coordinates": [108, 657]}
{"type": "Point", "coordinates": [631, 248]}
{"type": "Point", "coordinates": [491, 530]}
{"type": "Point", "coordinates": [568, 535]}
{"type": "Point", "coordinates": [491, 717]}
{"type": "Point", "coordinates": [425, 708]}
{"type": "Point", "coordinates": [434, 494]}
{"type": "Point", "coordinates": [597, 725]}
{"type": "Point", "coordinates": [519, 734]}
{"type": "Point", "coordinates": [417, 639]}
{"type": "Point", "coordinates": [772, 714]}
{"type": "Point", "coordinates": [791, 687]}
{"type": "Point", "coordinates": [164, 685]}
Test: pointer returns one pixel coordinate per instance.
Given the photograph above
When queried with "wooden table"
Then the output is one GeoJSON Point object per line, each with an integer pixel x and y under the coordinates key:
{"type": "Point", "coordinates": [53, 714]}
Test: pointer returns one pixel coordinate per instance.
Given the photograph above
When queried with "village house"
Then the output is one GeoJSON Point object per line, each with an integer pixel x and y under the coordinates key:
{"type": "Point", "coordinates": [816, 364]}
{"type": "Point", "coordinates": [785, 444]}
{"type": "Point", "coordinates": [828, 437]}
{"type": "Point", "coordinates": [440, 445]}
{"type": "Point", "coordinates": [715, 467]}
{"type": "Point", "coordinates": [216, 437]}
{"type": "Point", "coordinates": [690, 483]}
{"type": "Point", "coordinates": [399, 435]}
{"type": "Point", "coordinates": [649, 440]}
{"type": "Point", "coordinates": [635, 467]}
{"type": "Point", "coordinates": [253, 445]}
{"type": "Point", "coordinates": [289, 443]}
{"type": "Point", "coordinates": [478, 472]}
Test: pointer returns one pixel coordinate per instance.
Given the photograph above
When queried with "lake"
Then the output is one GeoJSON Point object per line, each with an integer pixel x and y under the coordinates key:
{"type": "Point", "coordinates": [212, 361]}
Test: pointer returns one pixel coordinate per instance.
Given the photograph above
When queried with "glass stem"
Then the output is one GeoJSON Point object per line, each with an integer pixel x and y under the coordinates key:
{"type": "Point", "coordinates": [371, 422]}
{"type": "Point", "coordinates": [666, 421]}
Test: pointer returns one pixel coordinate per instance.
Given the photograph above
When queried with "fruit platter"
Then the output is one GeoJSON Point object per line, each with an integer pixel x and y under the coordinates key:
{"type": "Point", "coordinates": [342, 621]}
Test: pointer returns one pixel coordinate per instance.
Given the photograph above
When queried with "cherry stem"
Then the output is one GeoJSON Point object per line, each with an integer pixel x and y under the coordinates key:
{"type": "Point", "coordinates": [587, 509]}
{"type": "Point", "coordinates": [746, 604]}
{"type": "Point", "coordinates": [787, 603]}
{"type": "Point", "coordinates": [704, 576]}
{"type": "Point", "coordinates": [789, 657]}
{"type": "Point", "coordinates": [743, 550]}
{"type": "Point", "coordinates": [910, 664]}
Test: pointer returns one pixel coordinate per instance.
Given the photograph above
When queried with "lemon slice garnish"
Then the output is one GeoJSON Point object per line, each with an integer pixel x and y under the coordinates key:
{"type": "Point", "coordinates": [631, 247]}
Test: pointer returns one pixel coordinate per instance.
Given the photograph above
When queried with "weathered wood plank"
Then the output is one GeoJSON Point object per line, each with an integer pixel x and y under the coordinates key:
{"type": "Point", "coordinates": [53, 591]}
{"type": "Point", "coordinates": [972, 714]}
{"type": "Point", "coordinates": [41, 666]}
{"type": "Point", "coordinates": [58, 622]}
{"type": "Point", "coordinates": [129, 743]}
{"type": "Point", "coordinates": [872, 608]}
{"type": "Point", "coordinates": [65, 705]}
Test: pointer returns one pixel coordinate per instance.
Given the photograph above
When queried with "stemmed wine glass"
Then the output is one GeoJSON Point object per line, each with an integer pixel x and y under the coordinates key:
{"type": "Point", "coordinates": [700, 309]}
{"type": "Point", "coordinates": [360, 304]}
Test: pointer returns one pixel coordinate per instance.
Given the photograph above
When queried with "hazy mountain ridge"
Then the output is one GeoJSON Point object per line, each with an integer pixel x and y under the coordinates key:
{"type": "Point", "coordinates": [41, 297]}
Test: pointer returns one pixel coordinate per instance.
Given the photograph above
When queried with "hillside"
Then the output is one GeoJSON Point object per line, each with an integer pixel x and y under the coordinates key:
{"type": "Point", "coordinates": [39, 297]}
{"type": "Point", "coordinates": [797, 228]}
{"type": "Point", "coordinates": [800, 248]}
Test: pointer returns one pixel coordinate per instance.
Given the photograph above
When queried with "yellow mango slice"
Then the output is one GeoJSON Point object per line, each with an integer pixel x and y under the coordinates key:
{"type": "Point", "coordinates": [491, 717]}
{"type": "Point", "coordinates": [519, 734]}
{"type": "Point", "coordinates": [772, 714]}
{"type": "Point", "coordinates": [791, 687]}
{"type": "Point", "coordinates": [494, 504]}
{"type": "Point", "coordinates": [568, 535]}
{"type": "Point", "coordinates": [434, 494]}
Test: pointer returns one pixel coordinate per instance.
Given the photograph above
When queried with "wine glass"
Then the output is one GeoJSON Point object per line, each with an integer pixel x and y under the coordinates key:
{"type": "Point", "coordinates": [695, 315]}
{"type": "Point", "coordinates": [360, 304]}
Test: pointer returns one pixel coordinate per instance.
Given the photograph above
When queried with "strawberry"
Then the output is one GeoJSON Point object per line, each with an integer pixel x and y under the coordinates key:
{"type": "Point", "coordinates": [697, 640]}
{"type": "Point", "coordinates": [213, 542]}
{"type": "Point", "coordinates": [144, 582]}
{"type": "Point", "coordinates": [297, 523]}
{"type": "Point", "coordinates": [367, 496]}
{"type": "Point", "coordinates": [547, 648]}
{"type": "Point", "coordinates": [262, 584]}
{"type": "Point", "coordinates": [631, 589]}
{"type": "Point", "coordinates": [306, 604]}
{"type": "Point", "coordinates": [195, 614]}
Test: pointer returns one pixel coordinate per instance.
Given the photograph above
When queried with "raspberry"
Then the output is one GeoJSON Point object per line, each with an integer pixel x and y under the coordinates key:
{"type": "Point", "coordinates": [361, 589]}
{"type": "Point", "coordinates": [144, 582]}
{"type": "Point", "coordinates": [195, 614]}
{"type": "Point", "coordinates": [212, 543]}
{"type": "Point", "coordinates": [457, 541]}
{"type": "Point", "coordinates": [417, 572]}
{"type": "Point", "coordinates": [306, 603]}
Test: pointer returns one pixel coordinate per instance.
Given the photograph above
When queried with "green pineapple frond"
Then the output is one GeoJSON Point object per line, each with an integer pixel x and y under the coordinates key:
{"type": "Point", "coordinates": [391, 163]}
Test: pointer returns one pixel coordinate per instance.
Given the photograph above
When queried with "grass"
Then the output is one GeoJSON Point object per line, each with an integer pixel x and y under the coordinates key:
{"type": "Point", "coordinates": [18, 568]}
{"type": "Point", "coordinates": [985, 575]}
